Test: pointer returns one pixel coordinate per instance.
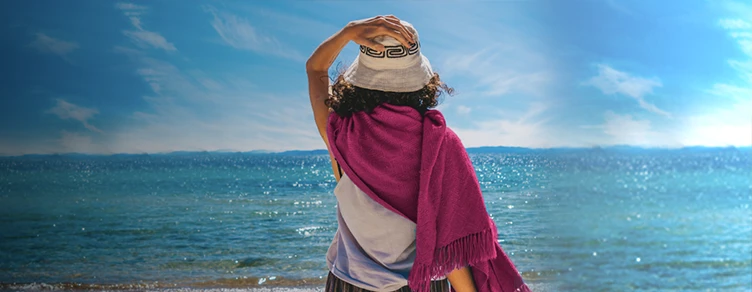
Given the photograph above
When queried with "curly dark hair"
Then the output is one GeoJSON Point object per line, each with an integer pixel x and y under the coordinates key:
{"type": "Point", "coordinates": [347, 99]}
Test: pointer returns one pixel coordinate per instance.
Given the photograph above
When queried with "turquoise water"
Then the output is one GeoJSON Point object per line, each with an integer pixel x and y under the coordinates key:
{"type": "Point", "coordinates": [580, 220]}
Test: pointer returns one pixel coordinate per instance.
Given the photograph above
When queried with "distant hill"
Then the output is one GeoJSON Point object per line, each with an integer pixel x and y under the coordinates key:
{"type": "Point", "coordinates": [500, 149]}
{"type": "Point", "coordinates": [303, 152]}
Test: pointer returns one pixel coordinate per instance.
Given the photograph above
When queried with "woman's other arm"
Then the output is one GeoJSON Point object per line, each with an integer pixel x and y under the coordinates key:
{"type": "Point", "coordinates": [462, 280]}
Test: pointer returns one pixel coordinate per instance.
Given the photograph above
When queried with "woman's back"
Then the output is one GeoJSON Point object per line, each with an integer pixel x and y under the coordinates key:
{"type": "Point", "coordinates": [374, 248]}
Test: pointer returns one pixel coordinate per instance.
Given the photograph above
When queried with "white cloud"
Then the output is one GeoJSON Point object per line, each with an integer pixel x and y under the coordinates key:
{"type": "Point", "coordinates": [734, 24]}
{"type": "Point", "coordinates": [513, 66]}
{"type": "Point", "coordinates": [151, 39]}
{"type": "Point", "coordinates": [130, 7]}
{"type": "Point", "coordinates": [727, 92]}
{"type": "Point", "coordinates": [744, 68]}
{"type": "Point", "coordinates": [47, 44]}
{"type": "Point", "coordinates": [141, 37]}
{"type": "Point", "coordinates": [315, 29]}
{"type": "Point", "coordinates": [194, 110]}
{"type": "Point", "coordinates": [528, 129]}
{"type": "Point", "coordinates": [627, 130]}
{"type": "Point", "coordinates": [68, 111]}
{"type": "Point", "coordinates": [507, 82]}
{"type": "Point", "coordinates": [728, 120]}
{"type": "Point", "coordinates": [502, 69]}
{"type": "Point", "coordinates": [134, 13]}
{"type": "Point", "coordinates": [240, 34]}
{"type": "Point", "coordinates": [496, 58]}
{"type": "Point", "coordinates": [723, 126]}
{"type": "Point", "coordinates": [612, 81]}
{"type": "Point", "coordinates": [741, 35]}
{"type": "Point", "coordinates": [746, 46]}
{"type": "Point", "coordinates": [465, 61]}
{"type": "Point", "coordinates": [741, 31]}
{"type": "Point", "coordinates": [463, 110]}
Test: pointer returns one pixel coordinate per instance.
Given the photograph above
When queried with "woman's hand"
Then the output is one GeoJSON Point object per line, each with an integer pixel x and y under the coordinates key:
{"type": "Point", "coordinates": [363, 31]}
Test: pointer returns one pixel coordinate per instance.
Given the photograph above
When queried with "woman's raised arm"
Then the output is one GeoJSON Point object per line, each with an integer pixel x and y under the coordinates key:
{"type": "Point", "coordinates": [361, 32]}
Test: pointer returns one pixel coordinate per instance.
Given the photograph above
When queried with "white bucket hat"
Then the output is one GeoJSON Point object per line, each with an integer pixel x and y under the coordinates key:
{"type": "Point", "coordinates": [396, 69]}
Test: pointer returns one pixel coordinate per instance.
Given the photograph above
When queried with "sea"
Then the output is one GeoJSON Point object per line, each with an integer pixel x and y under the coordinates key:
{"type": "Point", "coordinates": [596, 219]}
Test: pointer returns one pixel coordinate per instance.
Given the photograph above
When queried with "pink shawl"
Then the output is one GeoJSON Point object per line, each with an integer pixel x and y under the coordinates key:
{"type": "Point", "coordinates": [417, 167]}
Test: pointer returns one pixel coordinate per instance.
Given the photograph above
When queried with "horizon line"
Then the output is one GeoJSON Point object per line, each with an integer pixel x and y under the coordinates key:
{"type": "Point", "coordinates": [262, 151]}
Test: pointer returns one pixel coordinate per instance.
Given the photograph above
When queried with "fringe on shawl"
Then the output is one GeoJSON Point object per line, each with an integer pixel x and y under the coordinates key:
{"type": "Point", "coordinates": [462, 252]}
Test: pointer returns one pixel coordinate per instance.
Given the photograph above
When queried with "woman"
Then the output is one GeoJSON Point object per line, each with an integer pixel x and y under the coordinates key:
{"type": "Point", "coordinates": [409, 204]}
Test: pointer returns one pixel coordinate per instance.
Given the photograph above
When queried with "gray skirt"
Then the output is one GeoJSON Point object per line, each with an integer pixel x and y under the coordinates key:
{"type": "Point", "coordinates": [334, 284]}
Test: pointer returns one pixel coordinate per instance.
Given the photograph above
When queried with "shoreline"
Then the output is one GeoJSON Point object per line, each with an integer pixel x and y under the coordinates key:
{"type": "Point", "coordinates": [68, 286]}
{"type": "Point", "coordinates": [248, 284]}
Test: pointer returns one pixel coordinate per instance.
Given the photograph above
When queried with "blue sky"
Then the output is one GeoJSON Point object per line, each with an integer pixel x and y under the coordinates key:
{"type": "Point", "coordinates": [157, 76]}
